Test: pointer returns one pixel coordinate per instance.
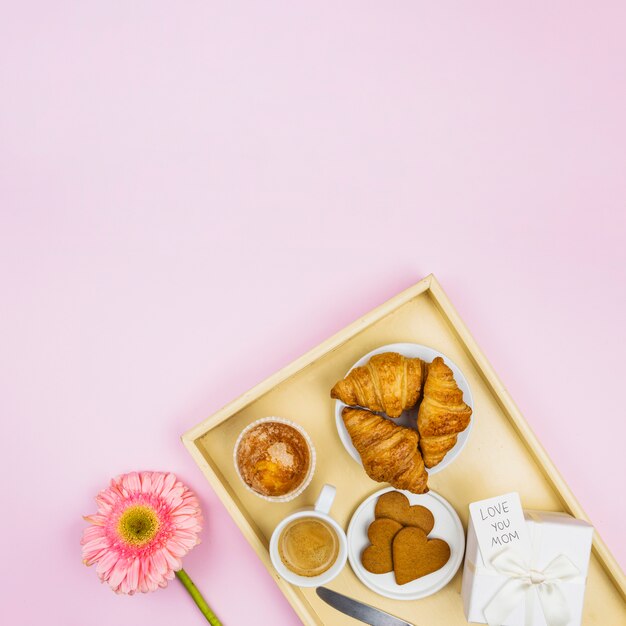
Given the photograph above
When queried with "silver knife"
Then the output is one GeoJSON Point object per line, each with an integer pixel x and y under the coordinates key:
{"type": "Point", "coordinates": [358, 610]}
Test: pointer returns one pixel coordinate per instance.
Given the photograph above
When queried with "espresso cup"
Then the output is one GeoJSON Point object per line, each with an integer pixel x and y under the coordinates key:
{"type": "Point", "coordinates": [312, 542]}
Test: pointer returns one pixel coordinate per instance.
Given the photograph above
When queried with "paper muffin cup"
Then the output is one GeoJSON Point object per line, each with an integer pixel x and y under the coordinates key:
{"type": "Point", "coordinates": [303, 485]}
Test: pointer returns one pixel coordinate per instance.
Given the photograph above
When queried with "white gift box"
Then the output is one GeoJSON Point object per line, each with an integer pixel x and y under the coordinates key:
{"type": "Point", "coordinates": [551, 535]}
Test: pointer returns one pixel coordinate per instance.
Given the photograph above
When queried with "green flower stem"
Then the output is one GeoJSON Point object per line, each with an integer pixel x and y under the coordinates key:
{"type": "Point", "coordinates": [205, 609]}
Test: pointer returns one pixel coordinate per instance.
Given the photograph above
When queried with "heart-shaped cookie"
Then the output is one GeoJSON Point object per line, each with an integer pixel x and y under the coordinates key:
{"type": "Point", "coordinates": [395, 505]}
{"type": "Point", "coordinates": [377, 558]}
{"type": "Point", "coordinates": [414, 555]}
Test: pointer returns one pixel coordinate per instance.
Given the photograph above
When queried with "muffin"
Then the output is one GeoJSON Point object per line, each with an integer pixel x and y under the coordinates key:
{"type": "Point", "coordinates": [274, 458]}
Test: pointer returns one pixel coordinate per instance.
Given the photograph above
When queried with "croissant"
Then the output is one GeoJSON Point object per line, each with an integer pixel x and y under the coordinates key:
{"type": "Point", "coordinates": [389, 382]}
{"type": "Point", "coordinates": [389, 451]}
{"type": "Point", "coordinates": [442, 413]}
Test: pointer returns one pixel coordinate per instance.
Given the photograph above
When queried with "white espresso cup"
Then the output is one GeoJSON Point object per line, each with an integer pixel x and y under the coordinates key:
{"type": "Point", "coordinates": [320, 511]}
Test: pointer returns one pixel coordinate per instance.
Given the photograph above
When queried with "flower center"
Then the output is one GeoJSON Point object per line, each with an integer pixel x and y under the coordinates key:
{"type": "Point", "coordinates": [138, 525]}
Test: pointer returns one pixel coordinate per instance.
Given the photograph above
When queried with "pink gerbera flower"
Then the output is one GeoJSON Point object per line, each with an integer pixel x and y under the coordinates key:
{"type": "Point", "coordinates": [146, 522]}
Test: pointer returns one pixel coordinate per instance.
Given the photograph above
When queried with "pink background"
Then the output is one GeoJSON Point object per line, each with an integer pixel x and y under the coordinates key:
{"type": "Point", "coordinates": [194, 194]}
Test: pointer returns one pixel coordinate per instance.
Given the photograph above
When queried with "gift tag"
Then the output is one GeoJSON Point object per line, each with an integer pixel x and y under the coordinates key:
{"type": "Point", "coordinates": [499, 524]}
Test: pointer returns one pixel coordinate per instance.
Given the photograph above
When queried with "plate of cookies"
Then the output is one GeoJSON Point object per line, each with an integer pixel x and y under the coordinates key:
{"type": "Point", "coordinates": [407, 404]}
{"type": "Point", "coordinates": [405, 546]}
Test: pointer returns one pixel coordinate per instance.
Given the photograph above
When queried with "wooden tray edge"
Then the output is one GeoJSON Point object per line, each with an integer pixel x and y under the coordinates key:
{"type": "Point", "coordinates": [527, 435]}
{"type": "Point", "coordinates": [292, 368]}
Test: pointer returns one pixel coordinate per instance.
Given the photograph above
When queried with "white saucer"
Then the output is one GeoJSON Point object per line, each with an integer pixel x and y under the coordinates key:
{"type": "Point", "coordinates": [447, 527]}
{"type": "Point", "coordinates": [408, 418]}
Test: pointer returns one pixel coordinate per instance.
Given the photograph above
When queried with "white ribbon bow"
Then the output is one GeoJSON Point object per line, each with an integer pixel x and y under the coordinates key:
{"type": "Point", "coordinates": [522, 580]}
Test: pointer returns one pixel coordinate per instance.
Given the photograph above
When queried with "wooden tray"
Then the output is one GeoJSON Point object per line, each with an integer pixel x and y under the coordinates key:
{"type": "Point", "coordinates": [501, 455]}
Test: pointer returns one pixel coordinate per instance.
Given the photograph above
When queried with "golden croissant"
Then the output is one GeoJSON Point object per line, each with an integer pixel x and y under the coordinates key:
{"type": "Point", "coordinates": [388, 451]}
{"type": "Point", "coordinates": [442, 413]}
{"type": "Point", "coordinates": [389, 382]}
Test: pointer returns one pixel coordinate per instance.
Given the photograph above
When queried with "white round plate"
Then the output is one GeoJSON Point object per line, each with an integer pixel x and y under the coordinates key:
{"type": "Point", "coordinates": [447, 527]}
{"type": "Point", "coordinates": [408, 418]}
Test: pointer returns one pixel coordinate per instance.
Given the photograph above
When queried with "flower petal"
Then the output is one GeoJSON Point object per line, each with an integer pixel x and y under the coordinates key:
{"type": "Point", "coordinates": [131, 482]}
{"type": "Point", "coordinates": [92, 532]}
{"type": "Point", "coordinates": [176, 493]}
{"type": "Point", "coordinates": [117, 488]}
{"type": "Point", "coordinates": [158, 479]}
{"type": "Point", "coordinates": [185, 534]}
{"type": "Point", "coordinates": [96, 544]}
{"type": "Point", "coordinates": [174, 562]}
{"type": "Point", "coordinates": [160, 562]}
{"type": "Point", "coordinates": [185, 509]}
{"type": "Point", "coordinates": [118, 574]}
{"type": "Point", "coordinates": [106, 563]}
{"type": "Point", "coordinates": [93, 557]}
{"type": "Point", "coordinates": [146, 482]}
{"type": "Point", "coordinates": [187, 522]}
{"type": "Point", "coordinates": [152, 581]}
{"type": "Point", "coordinates": [176, 548]}
{"type": "Point", "coordinates": [143, 584]}
{"type": "Point", "coordinates": [132, 578]}
{"type": "Point", "coordinates": [174, 502]}
{"type": "Point", "coordinates": [168, 483]}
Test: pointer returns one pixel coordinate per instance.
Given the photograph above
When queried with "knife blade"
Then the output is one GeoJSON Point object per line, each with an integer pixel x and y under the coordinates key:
{"type": "Point", "coordinates": [359, 610]}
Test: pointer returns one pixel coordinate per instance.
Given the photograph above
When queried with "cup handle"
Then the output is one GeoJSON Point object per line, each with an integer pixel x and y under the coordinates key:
{"type": "Point", "coordinates": [325, 499]}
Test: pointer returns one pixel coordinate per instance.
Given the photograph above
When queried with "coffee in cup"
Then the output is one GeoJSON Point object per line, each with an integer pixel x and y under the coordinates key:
{"type": "Point", "coordinates": [308, 546]}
